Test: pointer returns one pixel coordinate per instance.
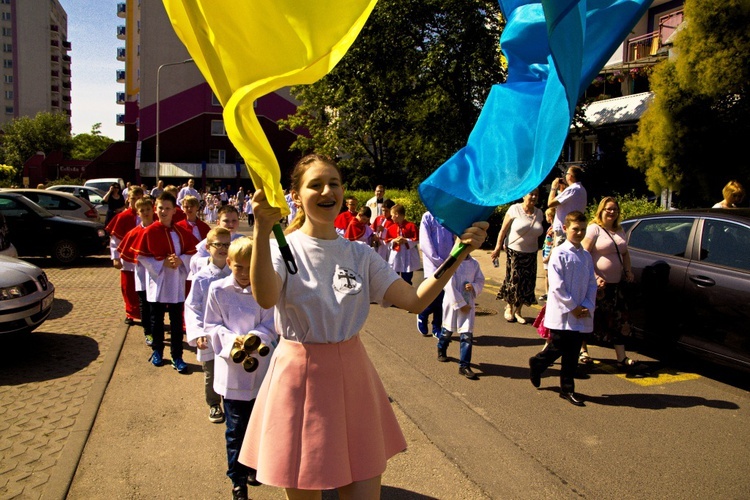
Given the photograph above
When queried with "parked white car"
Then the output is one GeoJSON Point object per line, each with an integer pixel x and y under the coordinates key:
{"type": "Point", "coordinates": [26, 295]}
{"type": "Point", "coordinates": [91, 194]}
{"type": "Point", "coordinates": [103, 183]}
{"type": "Point", "coordinates": [59, 203]}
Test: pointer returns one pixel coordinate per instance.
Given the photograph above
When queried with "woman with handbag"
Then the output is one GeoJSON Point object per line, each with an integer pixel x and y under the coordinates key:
{"type": "Point", "coordinates": [605, 241]}
{"type": "Point", "coordinates": [522, 227]}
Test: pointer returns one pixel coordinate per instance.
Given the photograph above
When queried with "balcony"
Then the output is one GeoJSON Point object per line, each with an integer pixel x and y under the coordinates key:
{"type": "Point", "coordinates": [54, 58]}
{"type": "Point", "coordinates": [66, 98]}
{"type": "Point", "coordinates": [66, 45]}
{"type": "Point", "coordinates": [54, 73]}
{"type": "Point", "coordinates": [66, 59]}
{"type": "Point", "coordinates": [66, 72]}
{"type": "Point", "coordinates": [121, 32]}
{"type": "Point", "coordinates": [120, 53]}
{"type": "Point", "coordinates": [54, 27]}
{"type": "Point", "coordinates": [643, 46]}
{"type": "Point", "coordinates": [55, 89]}
{"type": "Point", "coordinates": [122, 9]}
{"type": "Point", "coordinates": [55, 104]}
{"type": "Point", "coordinates": [54, 43]}
{"type": "Point", "coordinates": [120, 97]}
{"type": "Point", "coordinates": [66, 85]}
{"type": "Point", "coordinates": [120, 76]}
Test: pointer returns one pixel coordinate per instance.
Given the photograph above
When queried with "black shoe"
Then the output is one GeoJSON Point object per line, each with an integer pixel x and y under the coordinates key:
{"type": "Point", "coordinates": [534, 375]}
{"type": "Point", "coordinates": [572, 398]}
{"type": "Point", "coordinates": [466, 372]}
{"type": "Point", "coordinates": [251, 478]}
{"type": "Point", "coordinates": [239, 492]}
{"type": "Point", "coordinates": [442, 357]}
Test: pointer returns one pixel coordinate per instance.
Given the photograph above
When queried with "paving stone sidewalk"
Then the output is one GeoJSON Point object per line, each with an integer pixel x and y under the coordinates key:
{"type": "Point", "coordinates": [49, 390]}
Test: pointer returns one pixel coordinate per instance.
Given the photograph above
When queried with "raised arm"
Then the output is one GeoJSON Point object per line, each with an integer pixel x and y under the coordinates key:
{"type": "Point", "coordinates": [401, 294]}
{"type": "Point", "coordinates": [261, 265]}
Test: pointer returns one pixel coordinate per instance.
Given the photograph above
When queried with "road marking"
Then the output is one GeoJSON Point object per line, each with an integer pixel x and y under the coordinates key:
{"type": "Point", "coordinates": [658, 377]}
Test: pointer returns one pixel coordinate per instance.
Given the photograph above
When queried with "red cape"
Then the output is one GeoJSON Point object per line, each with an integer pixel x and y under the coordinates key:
{"type": "Point", "coordinates": [156, 242]}
{"type": "Point", "coordinates": [122, 223]}
{"type": "Point", "coordinates": [408, 230]}
{"type": "Point", "coordinates": [128, 247]}
{"type": "Point", "coordinates": [203, 228]}
{"type": "Point", "coordinates": [355, 230]}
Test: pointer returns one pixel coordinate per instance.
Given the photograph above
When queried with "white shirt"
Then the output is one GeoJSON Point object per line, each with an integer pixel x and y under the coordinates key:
{"type": "Point", "coordinates": [195, 307]}
{"type": "Point", "coordinates": [200, 258]}
{"type": "Point", "coordinates": [571, 284]}
{"type": "Point", "coordinates": [572, 198]}
{"type": "Point", "coordinates": [164, 284]}
{"type": "Point", "coordinates": [328, 300]}
{"type": "Point", "coordinates": [375, 207]}
{"type": "Point", "coordinates": [232, 311]}
{"type": "Point", "coordinates": [525, 230]}
{"type": "Point", "coordinates": [454, 319]}
{"type": "Point", "coordinates": [187, 190]}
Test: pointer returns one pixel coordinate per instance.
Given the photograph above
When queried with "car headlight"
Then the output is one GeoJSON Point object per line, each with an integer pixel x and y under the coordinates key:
{"type": "Point", "coordinates": [101, 232]}
{"type": "Point", "coordinates": [12, 292]}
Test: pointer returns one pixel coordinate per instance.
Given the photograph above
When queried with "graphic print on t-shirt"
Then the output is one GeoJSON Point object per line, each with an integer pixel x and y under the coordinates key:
{"type": "Point", "coordinates": [346, 281]}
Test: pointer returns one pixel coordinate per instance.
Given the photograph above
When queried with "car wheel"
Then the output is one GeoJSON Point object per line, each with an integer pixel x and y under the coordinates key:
{"type": "Point", "coordinates": [65, 251]}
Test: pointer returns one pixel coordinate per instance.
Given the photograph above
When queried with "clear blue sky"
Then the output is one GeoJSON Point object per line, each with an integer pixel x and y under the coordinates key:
{"type": "Point", "coordinates": [92, 26]}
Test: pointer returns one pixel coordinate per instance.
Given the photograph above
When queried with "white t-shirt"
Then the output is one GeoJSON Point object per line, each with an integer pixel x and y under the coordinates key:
{"type": "Point", "coordinates": [525, 230]}
{"type": "Point", "coordinates": [572, 198]}
{"type": "Point", "coordinates": [328, 300]}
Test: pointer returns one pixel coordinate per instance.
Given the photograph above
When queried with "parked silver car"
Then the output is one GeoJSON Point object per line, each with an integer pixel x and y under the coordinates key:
{"type": "Point", "coordinates": [58, 203]}
{"type": "Point", "coordinates": [692, 273]}
{"type": "Point", "coordinates": [91, 194]}
{"type": "Point", "coordinates": [26, 295]}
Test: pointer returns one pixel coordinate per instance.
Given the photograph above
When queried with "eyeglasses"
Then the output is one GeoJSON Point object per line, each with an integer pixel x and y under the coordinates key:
{"type": "Point", "coordinates": [612, 210]}
{"type": "Point", "coordinates": [220, 245]}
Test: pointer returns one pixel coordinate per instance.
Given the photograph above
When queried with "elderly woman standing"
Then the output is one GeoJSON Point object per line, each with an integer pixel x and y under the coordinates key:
{"type": "Point", "coordinates": [733, 194]}
{"type": "Point", "coordinates": [605, 241]}
{"type": "Point", "coordinates": [522, 227]}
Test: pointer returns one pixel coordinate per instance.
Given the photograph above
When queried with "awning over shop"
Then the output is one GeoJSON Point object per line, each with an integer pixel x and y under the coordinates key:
{"type": "Point", "coordinates": [626, 109]}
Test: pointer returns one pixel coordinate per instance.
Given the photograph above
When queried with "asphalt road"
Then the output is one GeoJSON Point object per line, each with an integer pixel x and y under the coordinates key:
{"type": "Point", "coordinates": [680, 433]}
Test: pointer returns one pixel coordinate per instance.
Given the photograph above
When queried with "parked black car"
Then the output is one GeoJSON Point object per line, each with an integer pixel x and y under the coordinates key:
{"type": "Point", "coordinates": [692, 274]}
{"type": "Point", "coordinates": [36, 232]}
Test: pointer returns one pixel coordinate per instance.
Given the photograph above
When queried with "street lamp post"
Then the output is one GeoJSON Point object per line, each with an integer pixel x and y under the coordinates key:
{"type": "Point", "coordinates": [158, 105]}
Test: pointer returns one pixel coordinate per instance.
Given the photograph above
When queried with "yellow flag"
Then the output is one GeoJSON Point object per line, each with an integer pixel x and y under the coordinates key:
{"type": "Point", "coordinates": [248, 48]}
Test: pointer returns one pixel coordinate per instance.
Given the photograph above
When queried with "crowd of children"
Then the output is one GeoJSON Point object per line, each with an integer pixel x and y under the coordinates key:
{"type": "Point", "coordinates": [173, 261]}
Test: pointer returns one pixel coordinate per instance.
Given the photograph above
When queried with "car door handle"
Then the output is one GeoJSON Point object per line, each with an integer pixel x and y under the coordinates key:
{"type": "Point", "coordinates": [702, 280]}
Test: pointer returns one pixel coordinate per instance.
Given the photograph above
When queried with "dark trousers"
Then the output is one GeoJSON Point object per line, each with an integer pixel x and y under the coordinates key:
{"type": "Point", "coordinates": [436, 309]}
{"type": "Point", "coordinates": [145, 307]}
{"type": "Point", "coordinates": [565, 344]}
{"type": "Point", "coordinates": [237, 415]}
{"type": "Point", "coordinates": [406, 276]}
{"type": "Point", "coordinates": [175, 327]}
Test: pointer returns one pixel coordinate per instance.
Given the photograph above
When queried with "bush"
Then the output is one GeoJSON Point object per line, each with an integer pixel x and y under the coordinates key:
{"type": "Point", "coordinates": [66, 181]}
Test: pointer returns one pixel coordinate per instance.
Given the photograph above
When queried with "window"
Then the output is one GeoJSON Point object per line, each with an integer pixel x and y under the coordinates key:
{"type": "Point", "coordinates": [6, 16]}
{"type": "Point", "coordinates": [9, 94]}
{"type": "Point", "coordinates": [8, 78]}
{"type": "Point", "coordinates": [7, 47]}
{"type": "Point", "coordinates": [217, 156]}
{"type": "Point", "coordinates": [722, 243]}
{"type": "Point", "coordinates": [8, 110]}
{"type": "Point", "coordinates": [217, 127]}
{"type": "Point", "coordinates": [7, 63]}
{"type": "Point", "coordinates": [214, 100]}
{"type": "Point", "coordinates": [7, 32]}
{"type": "Point", "coordinates": [665, 236]}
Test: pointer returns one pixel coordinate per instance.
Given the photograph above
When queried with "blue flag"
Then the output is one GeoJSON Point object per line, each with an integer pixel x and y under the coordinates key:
{"type": "Point", "coordinates": [554, 50]}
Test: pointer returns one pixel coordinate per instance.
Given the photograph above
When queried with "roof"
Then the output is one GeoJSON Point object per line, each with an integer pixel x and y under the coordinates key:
{"type": "Point", "coordinates": [626, 109]}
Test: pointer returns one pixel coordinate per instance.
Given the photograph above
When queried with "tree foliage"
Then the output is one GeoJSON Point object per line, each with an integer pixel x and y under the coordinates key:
{"type": "Point", "coordinates": [688, 139]}
{"type": "Point", "coordinates": [408, 92]}
{"type": "Point", "coordinates": [24, 137]}
{"type": "Point", "coordinates": [89, 146]}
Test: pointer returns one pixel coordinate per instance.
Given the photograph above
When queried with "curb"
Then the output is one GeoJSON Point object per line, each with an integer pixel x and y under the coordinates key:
{"type": "Point", "coordinates": [65, 470]}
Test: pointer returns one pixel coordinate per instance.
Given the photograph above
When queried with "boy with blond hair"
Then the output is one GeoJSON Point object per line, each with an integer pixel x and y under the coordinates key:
{"type": "Point", "coordinates": [231, 313]}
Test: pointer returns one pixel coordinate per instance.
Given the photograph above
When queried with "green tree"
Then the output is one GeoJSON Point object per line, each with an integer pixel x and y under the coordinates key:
{"type": "Point", "coordinates": [24, 136]}
{"type": "Point", "coordinates": [408, 92]}
{"type": "Point", "coordinates": [89, 146]}
{"type": "Point", "coordinates": [689, 138]}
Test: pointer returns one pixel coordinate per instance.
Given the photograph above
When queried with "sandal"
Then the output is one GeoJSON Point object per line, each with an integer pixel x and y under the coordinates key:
{"type": "Point", "coordinates": [628, 364]}
{"type": "Point", "coordinates": [584, 358]}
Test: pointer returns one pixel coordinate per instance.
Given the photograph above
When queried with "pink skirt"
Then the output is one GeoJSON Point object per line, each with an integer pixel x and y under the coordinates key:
{"type": "Point", "coordinates": [322, 418]}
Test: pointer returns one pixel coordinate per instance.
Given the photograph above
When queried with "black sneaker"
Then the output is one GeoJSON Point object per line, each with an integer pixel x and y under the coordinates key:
{"type": "Point", "coordinates": [215, 414]}
{"type": "Point", "coordinates": [239, 492]}
{"type": "Point", "coordinates": [466, 372]}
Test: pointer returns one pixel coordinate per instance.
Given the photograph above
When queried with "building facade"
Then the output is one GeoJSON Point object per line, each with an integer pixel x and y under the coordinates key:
{"type": "Point", "coordinates": [161, 84]}
{"type": "Point", "coordinates": [36, 74]}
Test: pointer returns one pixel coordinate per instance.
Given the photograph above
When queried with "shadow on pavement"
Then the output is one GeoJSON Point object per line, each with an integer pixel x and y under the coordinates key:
{"type": "Point", "coordinates": [658, 401]}
{"type": "Point", "coordinates": [386, 493]}
{"type": "Point", "coordinates": [41, 356]}
{"type": "Point", "coordinates": [60, 309]}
